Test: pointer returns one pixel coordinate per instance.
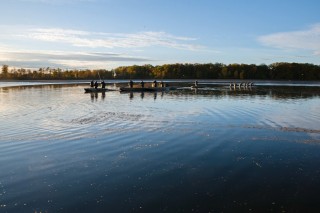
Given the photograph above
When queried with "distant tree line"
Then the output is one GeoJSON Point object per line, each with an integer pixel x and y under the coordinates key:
{"type": "Point", "coordinates": [52, 74]}
{"type": "Point", "coordinates": [275, 71]}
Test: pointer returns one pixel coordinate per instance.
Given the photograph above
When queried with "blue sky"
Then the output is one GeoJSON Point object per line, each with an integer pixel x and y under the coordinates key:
{"type": "Point", "coordinates": [111, 33]}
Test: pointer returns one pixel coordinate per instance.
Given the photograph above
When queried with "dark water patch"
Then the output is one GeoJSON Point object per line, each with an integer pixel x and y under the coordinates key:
{"type": "Point", "coordinates": [300, 130]}
{"type": "Point", "coordinates": [287, 129]}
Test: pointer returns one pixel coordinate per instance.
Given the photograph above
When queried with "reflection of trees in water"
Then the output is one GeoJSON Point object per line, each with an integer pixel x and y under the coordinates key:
{"type": "Point", "coordinates": [294, 92]}
{"type": "Point", "coordinates": [275, 92]}
{"type": "Point", "coordinates": [220, 91]}
{"type": "Point", "coordinates": [42, 87]}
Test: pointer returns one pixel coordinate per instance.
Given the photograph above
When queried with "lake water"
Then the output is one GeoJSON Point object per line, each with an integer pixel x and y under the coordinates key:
{"type": "Point", "coordinates": [214, 149]}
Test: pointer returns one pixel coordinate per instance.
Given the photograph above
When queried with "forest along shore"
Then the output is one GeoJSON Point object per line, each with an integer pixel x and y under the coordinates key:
{"type": "Point", "coordinates": [275, 71]}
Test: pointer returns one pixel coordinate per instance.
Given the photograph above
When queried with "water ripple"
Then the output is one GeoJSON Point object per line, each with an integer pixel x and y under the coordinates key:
{"type": "Point", "coordinates": [65, 151]}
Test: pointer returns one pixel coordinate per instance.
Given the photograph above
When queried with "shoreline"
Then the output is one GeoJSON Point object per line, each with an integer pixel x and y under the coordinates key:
{"type": "Point", "coordinates": [12, 83]}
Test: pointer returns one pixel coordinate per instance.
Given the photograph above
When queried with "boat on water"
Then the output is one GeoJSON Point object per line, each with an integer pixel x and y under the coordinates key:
{"type": "Point", "coordinates": [92, 89]}
{"type": "Point", "coordinates": [145, 89]}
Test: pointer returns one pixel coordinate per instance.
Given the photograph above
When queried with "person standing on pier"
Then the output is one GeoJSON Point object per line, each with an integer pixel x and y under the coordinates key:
{"type": "Point", "coordinates": [130, 83]}
{"type": "Point", "coordinates": [162, 84]}
{"type": "Point", "coordinates": [155, 84]}
{"type": "Point", "coordinates": [103, 85]}
{"type": "Point", "coordinates": [142, 84]}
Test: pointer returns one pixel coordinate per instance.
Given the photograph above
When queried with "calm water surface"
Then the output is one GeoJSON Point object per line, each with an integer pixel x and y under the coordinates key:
{"type": "Point", "coordinates": [211, 150]}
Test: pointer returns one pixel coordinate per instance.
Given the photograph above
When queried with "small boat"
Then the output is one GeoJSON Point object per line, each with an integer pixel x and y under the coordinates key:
{"type": "Point", "coordinates": [145, 89]}
{"type": "Point", "coordinates": [92, 89]}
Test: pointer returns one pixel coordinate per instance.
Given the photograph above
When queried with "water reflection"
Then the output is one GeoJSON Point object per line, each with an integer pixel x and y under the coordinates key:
{"type": "Point", "coordinates": [142, 94]}
{"type": "Point", "coordinates": [95, 96]}
{"type": "Point", "coordinates": [278, 92]}
{"type": "Point", "coordinates": [207, 150]}
{"type": "Point", "coordinates": [221, 91]}
{"type": "Point", "coordinates": [41, 86]}
{"type": "Point", "coordinates": [256, 91]}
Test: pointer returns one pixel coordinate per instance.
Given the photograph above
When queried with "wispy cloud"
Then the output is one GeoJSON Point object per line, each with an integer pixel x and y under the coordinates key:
{"type": "Point", "coordinates": [112, 40]}
{"type": "Point", "coordinates": [26, 46]}
{"type": "Point", "coordinates": [308, 39]}
{"type": "Point", "coordinates": [64, 59]}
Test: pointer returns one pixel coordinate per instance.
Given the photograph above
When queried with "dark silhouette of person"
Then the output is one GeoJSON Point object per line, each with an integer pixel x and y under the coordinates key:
{"type": "Point", "coordinates": [155, 84]}
{"type": "Point", "coordinates": [103, 85]}
{"type": "Point", "coordinates": [96, 84]}
{"type": "Point", "coordinates": [142, 84]}
{"type": "Point", "coordinates": [131, 83]}
{"type": "Point", "coordinates": [91, 84]}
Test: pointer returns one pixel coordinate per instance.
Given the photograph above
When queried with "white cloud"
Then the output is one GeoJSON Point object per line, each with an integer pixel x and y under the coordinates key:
{"type": "Point", "coordinates": [26, 46]}
{"type": "Point", "coordinates": [64, 59]}
{"type": "Point", "coordinates": [111, 40]}
{"type": "Point", "coordinates": [297, 40]}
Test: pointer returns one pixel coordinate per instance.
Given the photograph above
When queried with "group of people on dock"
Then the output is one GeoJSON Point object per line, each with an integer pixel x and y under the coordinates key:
{"type": "Point", "coordinates": [155, 84]}
{"type": "Point", "coordinates": [95, 84]}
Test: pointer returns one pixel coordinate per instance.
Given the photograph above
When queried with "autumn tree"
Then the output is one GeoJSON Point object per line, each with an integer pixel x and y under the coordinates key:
{"type": "Point", "coordinates": [5, 71]}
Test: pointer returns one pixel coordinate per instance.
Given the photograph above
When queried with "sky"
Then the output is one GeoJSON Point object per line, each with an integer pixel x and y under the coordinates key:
{"type": "Point", "coordinates": [105, 34]}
